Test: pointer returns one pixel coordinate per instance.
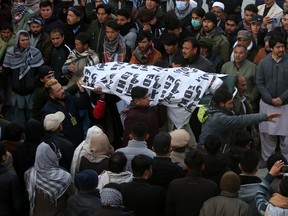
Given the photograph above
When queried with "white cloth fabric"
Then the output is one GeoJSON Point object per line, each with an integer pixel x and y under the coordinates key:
{"type": "Point", "coordinates": [278, 128]}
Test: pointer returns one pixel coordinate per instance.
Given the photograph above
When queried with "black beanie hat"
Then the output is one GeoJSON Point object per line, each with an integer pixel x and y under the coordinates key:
{"type": "Point", "coordinates": [87, 180]}
{"type": "Point", "coordinates": [211, 16]}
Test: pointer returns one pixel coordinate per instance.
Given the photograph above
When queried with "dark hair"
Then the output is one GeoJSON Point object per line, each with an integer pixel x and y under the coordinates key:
{"type": "Point", "coordinates": [274, 39]}
{"type": "Point", "coordinates": [140, 163]}
{"type": "Point", "coordinates": [172, 23]}
{"type": "Point", "coordinates": [45, 4]}
{"type": "Point", "coordinates": [14, 132]}
{"type": "Point", "coordinates": [242, 138]}
{"type": "Point", "coordinates": [124, 12]}
{"type": "Point", "coordinates": [139, 131]}
{"type": "Point", "coordinates": [212, 144]}
{"type": "Point", "coordinates": [240, 45]}
{"type": "Point", "coordinates": [3, 150]}
{"type": "Point", "coordinates": [283, 186]}
{"type": "Point", "coordinates": [113, 185]}
{"type": "Point", "coordinates": [112, 24]}
{"type": "Point", "coordinates": [179, 59]}
{"type": "Point", "coordinates": [273, 158]}
{"type": "Point", "coordinates": [144, 34]}
{"type": "Point", "coordinates": [249, 160]}
{"type": "Point", "coordinates": [234, 18]}
{"type": "Point", "coordinates": [285, 12]}
{"type": "Point", "coordinates": [25, 34]}
{"type": "Point", "coordinates": [106, 7]}
{"type": "Point", "coordinates": [83, 37]}
{"type": "Point", "coordinates": [251, 7]}
{"type": "Point", "coordinates": [194, 159]}
{"type": "Point", "coordinates": [59, 30]}
{"type": "Point", "coordinates": [117, 162]}
{"type": "Point", "coordinates": [138, 92]}
{"type": "Point", "coordinates": [222, 95]}
{"type": "Point", "coordinates": [195, 43]}
{"type": "Point", "coordinates": [146, 15]}
{"type": "Point", "coordinates": [162, 143]}
{"type": "Point", "coordinates": [199, 11]}
{"type": "Point", "coordinates": [169, 38]}
{"type": "Point", "coordinates": [6, 25]}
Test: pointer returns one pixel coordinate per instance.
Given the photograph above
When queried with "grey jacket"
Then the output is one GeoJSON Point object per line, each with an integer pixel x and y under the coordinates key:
{"type": "Point", "coordinates": [272, 79]}
{"type": "Point", "coordinates": [223, 122]}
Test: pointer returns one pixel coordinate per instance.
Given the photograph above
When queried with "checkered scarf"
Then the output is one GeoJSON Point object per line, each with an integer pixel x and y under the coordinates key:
{"type": "Point", "coordinates": [46, 176]}
{"type": "Point", "coordinates": [18, 11]}
{"type": "Point", "coordinates": [115, 50]}
{"type": "Point", "coordinates": [24, 60]}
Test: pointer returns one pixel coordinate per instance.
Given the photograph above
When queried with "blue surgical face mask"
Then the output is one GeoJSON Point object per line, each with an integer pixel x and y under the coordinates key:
{"type": "Point", "coordinates": [195, 23]}
{"type": "Point", "coordinates": [181, 5]}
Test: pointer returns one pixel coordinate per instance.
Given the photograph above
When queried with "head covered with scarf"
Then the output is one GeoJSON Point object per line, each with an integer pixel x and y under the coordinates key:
{"type": "Point", "coordinates": [46, 175]}
{"type": "Point", "coordinates": [95, 148]}
{"type": "Point", "coordinates": [23, 59]}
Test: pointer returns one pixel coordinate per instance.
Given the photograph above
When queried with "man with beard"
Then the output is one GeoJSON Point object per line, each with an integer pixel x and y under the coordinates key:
{"type": "Point", "coordinates": [264, 51]}
{"type": "Point", "coordinates": [145, 53]}
{"type": "Point", "coordinates": [7, 39]}
{"type": "Point", "coordinates": [21, 63]}
{"type": "Point", "coordinates": [230, 30]}
{"type": "Point", "coordinates": [51, 20]}
{"type": "Point", "coordinates": [272, 84]}
{"type": "Point", "coordinates": [74, 25]}
{"type": "Point", "coordinates": [191, 52]}
{"type": "Point", "coordinates": [128, 29]}
{"type": "Point", "coordinates": [59, 100]}
{"type": "Point", "coordinates": [209, 29]}
{"type": "Point", "coordinates": [40, 39]}
{"type": "Point", "coordinates": [241, 65]}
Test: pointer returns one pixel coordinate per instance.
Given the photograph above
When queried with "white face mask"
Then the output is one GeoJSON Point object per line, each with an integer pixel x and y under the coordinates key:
{"type": "Point", "coordinates": [181, 5]}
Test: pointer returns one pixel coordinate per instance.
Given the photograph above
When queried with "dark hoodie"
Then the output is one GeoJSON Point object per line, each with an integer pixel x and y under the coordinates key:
{"type": "Point", "coordinates": [10, 196]}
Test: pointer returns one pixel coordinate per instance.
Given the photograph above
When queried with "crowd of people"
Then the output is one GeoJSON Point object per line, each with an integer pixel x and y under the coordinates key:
{"type": "Point", "coordinates": [69, 151]}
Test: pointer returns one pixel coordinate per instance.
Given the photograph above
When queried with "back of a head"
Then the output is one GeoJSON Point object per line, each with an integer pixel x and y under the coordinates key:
{"type": "Point", "coordinates": [117, 162]}
{"type": "Point", "coordinates": [162, 143]}
{"type": "Point", "coordinates": [87, 180]}
{"type": "Point", "coordinates": [249, 161]}
{"type": "Point", "coordinates": [139, 131]}
{"type": "Point", "coordinates": [230, 182]}
{"type": "Point", "coordinates": [194, 160]}
{"type": "Point", "coordinates": [273, 158]}
{"type": "Point", "coordinates": [242, 139]}
{"type": "Point", "coordinates": [140, 164]}
{"type": "Point", "coordinates": [212, 144]}
{"type": "Point", "coordinates": [14, 132]}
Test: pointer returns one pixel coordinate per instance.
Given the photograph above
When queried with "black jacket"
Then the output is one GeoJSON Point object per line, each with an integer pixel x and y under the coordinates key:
{"type": "Point", "coordinates": [11, 194]}
{"type": "Point", "coordinates": [144, 199]}
{"type": "Point", "coordinates": [74, 133]}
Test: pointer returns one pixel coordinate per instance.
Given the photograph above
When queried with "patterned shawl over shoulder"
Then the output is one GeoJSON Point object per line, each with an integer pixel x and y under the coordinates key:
{"type": "Point", "coordinates": [25, 60]}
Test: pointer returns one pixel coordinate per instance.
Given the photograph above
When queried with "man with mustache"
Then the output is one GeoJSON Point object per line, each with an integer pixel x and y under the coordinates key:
{"type": "Point", "coordinates": [39, 39]}
{"type": "Point", "coordinates": [209, 29]}
{"type": "Point", "coordinates": [271, 80]}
